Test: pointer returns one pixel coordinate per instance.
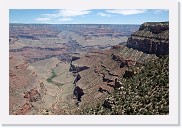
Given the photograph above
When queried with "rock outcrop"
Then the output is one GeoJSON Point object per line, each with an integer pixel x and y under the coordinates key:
{"type": "Point", "coordinates": [33, 95]}
{"type": "Point", "coordinates": [152, 38]}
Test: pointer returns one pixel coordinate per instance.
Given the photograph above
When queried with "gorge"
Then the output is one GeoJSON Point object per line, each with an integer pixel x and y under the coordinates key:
{"type": "Point", "coordinates": [89, 69]}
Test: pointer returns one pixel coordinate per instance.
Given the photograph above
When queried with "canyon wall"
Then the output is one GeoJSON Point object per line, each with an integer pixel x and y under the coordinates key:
{"type": "Point", "coordinates": [152, 38]}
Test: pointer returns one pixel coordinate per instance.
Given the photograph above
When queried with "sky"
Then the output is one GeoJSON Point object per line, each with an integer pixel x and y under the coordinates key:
{"type": "Point", "coordinates": [93, 16]}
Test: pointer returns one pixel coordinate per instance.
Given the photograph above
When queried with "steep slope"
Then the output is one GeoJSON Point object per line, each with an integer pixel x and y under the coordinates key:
{"type": "Point", "coordinates": [104, 68]}
{"type": "Point", "coordinates": [152, 38]}
{"type": "Point", "coordinates": [145, 93]}
{"type": "Point", "coordinates": [143, 86]}
{"type": "Point", "coordinates": [25, 89]}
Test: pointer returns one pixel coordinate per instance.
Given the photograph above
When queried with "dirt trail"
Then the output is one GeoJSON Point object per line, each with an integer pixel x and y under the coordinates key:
{"type": "Point", "coordinates": [57, 101]}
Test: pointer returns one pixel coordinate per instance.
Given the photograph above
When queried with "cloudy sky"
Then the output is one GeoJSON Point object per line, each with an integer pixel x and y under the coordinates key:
{"type": "Point", "coordinates": [101, 16]}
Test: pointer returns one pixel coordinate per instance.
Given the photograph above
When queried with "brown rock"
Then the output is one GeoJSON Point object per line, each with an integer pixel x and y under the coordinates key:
{"type": "Point", "coordinates": [33, 95]}
{"type": "Point", "coordinates": [24, 109]}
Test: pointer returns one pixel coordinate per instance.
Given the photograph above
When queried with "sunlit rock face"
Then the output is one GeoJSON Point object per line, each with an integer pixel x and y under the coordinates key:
{"type": "Point", "coordinates": [152, 38]}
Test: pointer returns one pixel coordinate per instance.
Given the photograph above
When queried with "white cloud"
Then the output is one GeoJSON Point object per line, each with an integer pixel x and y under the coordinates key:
{"type": "Point", "coordinates": [53, 20]}
{"type": "Point", "coordinates": [68, 13]}
{"type": "Point", "coordinates": [159, 11]}
{"type": "Point", "coordinates": [42, 19]}
{"type": "Point", "coordinates": [127, 11]}
{"type": "Point", "coordinates": [64, 19]}
{"type": "Point", "coordinates": [103, 14]}
{"type": "Point", "coordinates": [62, 15]}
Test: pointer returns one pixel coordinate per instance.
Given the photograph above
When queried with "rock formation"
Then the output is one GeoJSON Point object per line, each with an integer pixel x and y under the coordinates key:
{"type": "Point", "coordinates": [78, 92]}
{"type": "Point", "coordinates": [75, 68]}
{"type": "Point", "coordinates": [33, 95]}
{"type": "Point", "coordinates": [152, 38]}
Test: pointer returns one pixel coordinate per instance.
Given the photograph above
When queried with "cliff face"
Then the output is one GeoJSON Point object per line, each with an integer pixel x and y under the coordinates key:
{"type": "Point", "coordinates": [152, 38]}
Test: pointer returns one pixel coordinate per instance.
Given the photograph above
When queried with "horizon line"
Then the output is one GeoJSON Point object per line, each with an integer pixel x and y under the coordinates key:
{"type": "Point", "coordinates": [76, 23]}
{"type": "Point", "coordinates": [87, 23]}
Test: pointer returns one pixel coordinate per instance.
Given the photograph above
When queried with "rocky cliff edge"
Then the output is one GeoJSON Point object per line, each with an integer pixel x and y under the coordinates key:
{"type": "Point", "coordinates": [152, 38]}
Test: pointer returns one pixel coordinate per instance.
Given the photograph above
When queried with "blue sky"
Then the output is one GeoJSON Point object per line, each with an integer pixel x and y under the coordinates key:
{"type": "Point", "coordinates": [93, 16]}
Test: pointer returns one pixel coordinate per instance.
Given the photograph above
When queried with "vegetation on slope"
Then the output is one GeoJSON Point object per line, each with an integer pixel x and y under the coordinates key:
{"type": "Point", "coordinates": [50, 79]}
{"type": "Point", "coordinates": [146, 93]}
{"type": "Point", "coordinates": [52, 76]}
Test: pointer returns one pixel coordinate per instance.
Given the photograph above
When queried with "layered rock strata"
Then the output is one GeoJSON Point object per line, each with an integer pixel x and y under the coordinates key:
{"type": "Point", "coordinates": [152, 38]}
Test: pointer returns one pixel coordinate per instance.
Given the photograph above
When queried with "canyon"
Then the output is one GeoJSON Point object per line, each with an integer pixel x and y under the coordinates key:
{"type": "Point", "coordinates": [74, 69]}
